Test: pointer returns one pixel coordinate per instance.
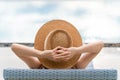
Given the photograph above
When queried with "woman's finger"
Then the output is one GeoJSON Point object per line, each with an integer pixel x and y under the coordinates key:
{"type": "Point", "coordinates": [59, 51]}
{"type": "Point", "coordinates": [59, 48]}
{"type": "Point", "coordinates": [62, 54]}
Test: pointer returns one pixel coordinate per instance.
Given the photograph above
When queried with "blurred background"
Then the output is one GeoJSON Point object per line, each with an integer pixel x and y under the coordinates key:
{"type": "Point", "coordinates": [94, 19]}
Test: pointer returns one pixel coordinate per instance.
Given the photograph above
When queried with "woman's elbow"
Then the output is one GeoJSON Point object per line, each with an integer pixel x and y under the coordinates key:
{"type": "Point", "coordinates": [101, 44]}
{"type": "Point", "coordinates": [14, 47]}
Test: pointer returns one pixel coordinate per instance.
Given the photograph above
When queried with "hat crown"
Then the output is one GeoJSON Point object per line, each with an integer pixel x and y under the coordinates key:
{"type": "Point", "coordinates": [57, 38]}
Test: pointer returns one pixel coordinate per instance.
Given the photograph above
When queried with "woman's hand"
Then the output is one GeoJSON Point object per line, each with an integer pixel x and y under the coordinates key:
{"type": "Point", "coordinates": [47, 54]}
{"type": "Point", "coordinates": [73, 50]}
{"type": "Point", "coordinates": [58, 54]}
{"type": "Point", "coordinates": [69, 52]}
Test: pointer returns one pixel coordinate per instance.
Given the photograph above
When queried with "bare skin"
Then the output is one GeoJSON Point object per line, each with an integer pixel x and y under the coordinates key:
{"type": "Point", "coordinates": [30, 55]}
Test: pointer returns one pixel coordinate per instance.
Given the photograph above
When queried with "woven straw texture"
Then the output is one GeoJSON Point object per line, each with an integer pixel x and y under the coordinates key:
{"type": "Point", "coordinates": [57, 38]}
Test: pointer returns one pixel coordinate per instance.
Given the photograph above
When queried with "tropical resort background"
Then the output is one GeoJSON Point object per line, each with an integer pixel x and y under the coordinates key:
{"type": "Point", "coordinates": [94, 19]}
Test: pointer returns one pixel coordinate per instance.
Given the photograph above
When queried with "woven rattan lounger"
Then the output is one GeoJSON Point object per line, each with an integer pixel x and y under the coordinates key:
{"type": "Point", "coordinates": [62, 74]}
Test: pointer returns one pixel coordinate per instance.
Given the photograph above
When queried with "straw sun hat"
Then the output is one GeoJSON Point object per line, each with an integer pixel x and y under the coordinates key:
{"type": "Point", "coordinates": [57, 33]}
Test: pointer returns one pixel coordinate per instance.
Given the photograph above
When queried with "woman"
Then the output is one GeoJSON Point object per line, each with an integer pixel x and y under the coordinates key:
{"type": "Point", "coordinates": [49, 39]}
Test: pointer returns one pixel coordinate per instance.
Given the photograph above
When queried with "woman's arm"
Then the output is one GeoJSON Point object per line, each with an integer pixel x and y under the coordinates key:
{"type": "Point", "coordinates": [25, 51]}
{"type": "Point", "coordinates": [90, 51]}
{"type": "Point", "coordinates": [91, 47]}
{"type": "Point", "coordinates": [27, 54]}
{"type": "Point", "coordinates": [30, 55]}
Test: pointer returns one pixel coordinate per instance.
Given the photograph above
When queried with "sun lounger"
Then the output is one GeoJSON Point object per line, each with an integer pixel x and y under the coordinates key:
{"type": "Point", "coordinates": [60, 74]}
